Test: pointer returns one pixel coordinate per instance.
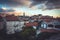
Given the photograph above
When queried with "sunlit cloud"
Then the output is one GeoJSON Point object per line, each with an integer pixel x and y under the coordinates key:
{"type": "Point", "coordinates": [30, 7]}
{"type": "Point", "coordinates": [24, 2]}
{"type": "Point", "coordinates": [4, 8]}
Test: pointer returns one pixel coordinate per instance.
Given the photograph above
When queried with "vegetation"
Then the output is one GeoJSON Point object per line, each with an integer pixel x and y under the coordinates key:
{"type": "Point", "coordinates": [28, 33]}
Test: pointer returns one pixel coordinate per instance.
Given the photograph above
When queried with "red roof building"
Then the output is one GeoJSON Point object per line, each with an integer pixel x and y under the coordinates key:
{"type": "Point", "coordinates": [11, 18]}
{"type": "Point", "coordinates": [31, 24]}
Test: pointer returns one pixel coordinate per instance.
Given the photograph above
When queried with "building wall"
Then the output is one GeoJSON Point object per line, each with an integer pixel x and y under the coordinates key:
{"type": "Point", "coordinates": [14, 26]}
{"type": "Point", "coordinates": [1, 25]}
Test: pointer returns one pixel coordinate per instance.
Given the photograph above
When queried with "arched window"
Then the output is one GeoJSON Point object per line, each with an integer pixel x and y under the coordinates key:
{"type": "Point", "coordinates": [44, 25]}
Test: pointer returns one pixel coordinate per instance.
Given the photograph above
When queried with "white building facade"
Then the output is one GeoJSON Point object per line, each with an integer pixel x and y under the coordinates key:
{"type": "Point", "coordinates": [14, 26]}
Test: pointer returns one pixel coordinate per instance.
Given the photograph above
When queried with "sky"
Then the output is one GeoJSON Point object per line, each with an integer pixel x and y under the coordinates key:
{"type": "Point", "coordinates": [31, 7]}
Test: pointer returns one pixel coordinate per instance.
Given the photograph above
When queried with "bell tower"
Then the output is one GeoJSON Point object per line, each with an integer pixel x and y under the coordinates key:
{"type": "Point", "coordinates": [24, 14]}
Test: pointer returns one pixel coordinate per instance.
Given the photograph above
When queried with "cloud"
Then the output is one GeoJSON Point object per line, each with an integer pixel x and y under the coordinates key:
{"type": "Point", "coordinates": [10, 10]}
{"type": "Point", "coordinates": [52, 1]}
{"type": "Point", "coordinates": [50, 4]}
{"type": "Point", "coordinates": [10, 3]}
{"type": "Point", "coordinates": [16, 3]}
{"type": "Point", "coordinates": [6, 10]}
{"type": "Point", "coordinates": [1, 10]}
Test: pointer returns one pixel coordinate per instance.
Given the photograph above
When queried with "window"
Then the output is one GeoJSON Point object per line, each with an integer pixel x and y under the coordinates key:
{"type": "Point", "coordinates": [1, 19]}
{"type": "Point", "coordinates": [44, 25]}
{"type": "Point", "coordinates": [57, 26]}
{"type": "Point", "coordinates": [50, 25]}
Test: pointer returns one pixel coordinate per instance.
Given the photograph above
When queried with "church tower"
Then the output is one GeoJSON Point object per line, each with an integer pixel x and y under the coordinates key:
{"type": "Point", "coordinates": [24, 14]}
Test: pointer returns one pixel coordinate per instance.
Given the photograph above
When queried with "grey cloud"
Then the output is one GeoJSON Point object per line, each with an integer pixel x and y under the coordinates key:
{"type": "Point", "coordinates": [15, 3]}
{"type": "Point", "coordinates": [10, 3]}
{"type": "Point", "coordinates": [7, 10]}
{"type": "Point", "coordinates": [31, 3]}
{"type": "Point", "coordinates": [1, 10]}
{"type": "Point", "coordinates": [51, 4]}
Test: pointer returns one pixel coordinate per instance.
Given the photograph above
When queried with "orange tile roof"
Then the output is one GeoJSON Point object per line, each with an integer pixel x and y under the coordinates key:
{"type": "Point", "coordinates": [12, 18]}
{"type": "Point", "coordinates": [31, 24]}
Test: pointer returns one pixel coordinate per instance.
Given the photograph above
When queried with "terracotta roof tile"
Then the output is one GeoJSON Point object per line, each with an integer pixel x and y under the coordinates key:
{"type": "Point", "coordinates": [31, 24]}
{"type": "Point", "coordinates": [12, 18]}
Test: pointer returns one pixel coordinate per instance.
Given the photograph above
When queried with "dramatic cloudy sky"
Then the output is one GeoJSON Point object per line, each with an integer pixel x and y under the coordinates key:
{"type": "Point", "coordinates": [31, 7]}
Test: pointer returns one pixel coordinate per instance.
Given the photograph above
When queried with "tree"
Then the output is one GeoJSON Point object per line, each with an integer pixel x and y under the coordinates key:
{"type": "Point", "coordinates": [28, 33]}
